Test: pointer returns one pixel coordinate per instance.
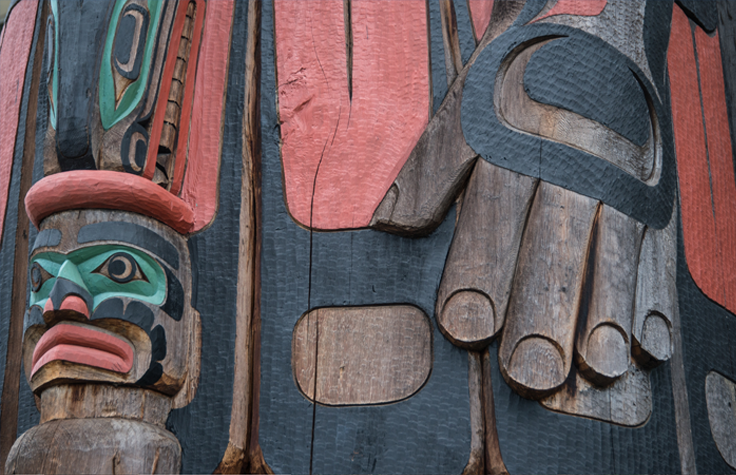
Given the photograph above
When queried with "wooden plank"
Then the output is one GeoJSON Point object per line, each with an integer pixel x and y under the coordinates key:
{"type": "Point", "coordinates": [476, 461]}
{"type": "Point", "coordinates": [365, 355]}
{"type": "Point", "coordinates": [24, 28]}
{"type": "Point", "coordinates": [627, 401]}
{"type": "Point", "coordinates": [14, 55]}
{"type": "Point", "coordinates": [656, 296]}
{"type": "Point", "coordinates": [720, 397]}
{"type": "Point", "coordinates": [537, 346]}
{"type": "Point", "coordinates": [604, 332]}
{"type": "Point", "coordinates": [242, 451]}
{"type": "Point", "coordinates": [119, 446]}
{"type": "Point", "coordinates": [199, 189]}
{"type": "Point", "coordinates": [341, 153]}
{"type": "Point", "coordinates": [474, 292]}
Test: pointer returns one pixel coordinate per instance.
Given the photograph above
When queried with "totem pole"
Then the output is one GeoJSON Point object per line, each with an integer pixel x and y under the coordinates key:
{"type": "Point", "coordinates": [444, 236]}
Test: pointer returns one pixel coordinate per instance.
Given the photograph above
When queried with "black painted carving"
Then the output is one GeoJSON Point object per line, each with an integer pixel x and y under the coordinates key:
{"type": "Point", "coordinates": [704, 13]}
{"type": "Point", "coordinates": [136, 137]}
{"type": "Point", "coordinates": [131, 234]}
{"type": "Point", "coordinates": [47, 238]}
{"type": "Point", "coordinates": [129, 30]}
{"type": "Point", "coordinates": [605, 90]}
{"type": "Point", "coordinates": [135, 312]}
{"type": "Point", "coordinates": [85, 23]}
{"type": "Point", "coordinates": [554, 162]}
{"type": "Point", "coordinates": [174, 305]}
{"type": "Point", "coordinates": [63, 288]}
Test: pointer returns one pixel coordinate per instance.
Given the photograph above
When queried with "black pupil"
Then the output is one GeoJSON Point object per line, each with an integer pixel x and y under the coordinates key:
{"type": "Point", "coordinates": [36, 277]}
{"type": "Point", "coordinates": [117, 267]}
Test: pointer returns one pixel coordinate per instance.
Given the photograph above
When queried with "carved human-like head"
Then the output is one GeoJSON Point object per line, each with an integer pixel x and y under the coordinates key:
{"type": "Point", "coordinates": [110, 302]}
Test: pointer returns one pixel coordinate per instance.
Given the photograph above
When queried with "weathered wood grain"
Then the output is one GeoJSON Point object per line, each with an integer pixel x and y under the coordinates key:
{"type": "Point", "coordinates": [537, 346]}
{"type": "Point", "coordinates": [656, 296]}
{"type": "Point", "coordinates": [627, 401]}
{"type": "Point", "coordinates": [493, 460]}
{"type": "Point", "coordinates": [453, 57]}
{"type": "Point", "coordinates": [680, 397]}
{"type": "Point", "coordinates": [341, 153]}
{"type": "Point", "coordinates": [576, 7]}
{"type": "Point", "coordinates": [244, 413]}
{"type": "Point", "coordinates": [87, 401]}
{"type": "Point", "coordinates": [720, 396]}
{"type": "Point", "coordinates": [476, 461]}
{"type": "Point", "coordinates": [474, 292]}
{"type": "Point", "coordinates": [604, 330]}
{"type": "Point", "coordinates": [95, 446]}
{"type": "Point", "coordinates": [365, 355]}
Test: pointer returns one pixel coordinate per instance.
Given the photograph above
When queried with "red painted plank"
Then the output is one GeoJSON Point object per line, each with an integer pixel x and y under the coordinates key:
{"type": "Point", "coordinates": [480, 12]}
{"type": "Point", "coordinates": [576, 7]}
{"type": "Point", "coordinates": [16, 48]}
{"type": "Point", "coordinates": [205, 136]}
{"type": "Point", "coordinates": [699, 226]}
{"type": "Point", "coordinates": [721, 160]}
{"type": "Point", "coordinates": [348, 151]}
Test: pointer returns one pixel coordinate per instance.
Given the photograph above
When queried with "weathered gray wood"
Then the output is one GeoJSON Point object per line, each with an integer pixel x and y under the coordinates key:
{"type": "Point", "coordinates": [627, 401]}
{"type": "Point", "coordinates": [720, 396]}
{"type": "Point", "coordinates": [494, 462]}
{"type": "Point", "coordinates": [365, 355]}
{"type": "Point", "coordinates": [93, 446]}
{"type": "Point", "coordinates": [86, 401]}
{"type": "Point", "coordinates": [682, 406]}
{"type": "Point", "coordinates": [604, 332]}
{"type": "Point", "coordinates": [476, 283]}
{"type": "Point", "coordinates": [656, 295]}
{"type": "Point", "coordinates": [537, 345]}
{"type": "Point", "coordinates": [475, 386]}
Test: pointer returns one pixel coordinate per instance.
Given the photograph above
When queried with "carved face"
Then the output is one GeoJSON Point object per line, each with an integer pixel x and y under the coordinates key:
{"type": "Point", "coordinates": [116, 74]}
{"type": "Point", "coordinates": [110, 301]}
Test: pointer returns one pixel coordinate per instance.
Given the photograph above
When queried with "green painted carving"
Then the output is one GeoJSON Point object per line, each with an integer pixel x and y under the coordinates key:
{"type": "Point", "coordinates": [110, 114]}
{"type": "Point", "coordinates": [104, 271]}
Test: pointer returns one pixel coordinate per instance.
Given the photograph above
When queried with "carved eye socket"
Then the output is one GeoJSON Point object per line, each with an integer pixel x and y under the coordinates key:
{"type": "Point", "coordinates": [38, 276]}
{"type": "Point", "coordinates": [130, 40]}
{"type": "Point", "coordinates": [121, 268]}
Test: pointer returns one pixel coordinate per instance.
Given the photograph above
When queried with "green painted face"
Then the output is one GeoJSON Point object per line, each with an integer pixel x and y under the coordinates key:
{"type": "Point", "coordinates": [104, 271]}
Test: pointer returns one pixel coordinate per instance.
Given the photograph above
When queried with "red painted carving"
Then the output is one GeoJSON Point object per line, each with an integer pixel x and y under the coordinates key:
{"type": "Point", "coordinates": [72, 302]}
{"type": "Point", "coordinates": [15, 49]}
{"type": "Point", "coordinates": [705, 166]}
{"type": "Point", "coordinates": [82, 345]}
{"type": "Point", "coordinates": [576, 7]}
{"type": "Point", "coordinates": [480, 11]}
{"type": "Point", "coordinates": [342, 153]}
{"type": "Point", "coordinates": [199, 189]}
{"type": "Point", "coordinates": [102, 189]}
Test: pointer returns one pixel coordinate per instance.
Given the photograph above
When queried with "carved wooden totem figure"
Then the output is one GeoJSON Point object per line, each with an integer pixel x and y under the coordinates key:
{"type": "Point", "coordinates": [325, 236]}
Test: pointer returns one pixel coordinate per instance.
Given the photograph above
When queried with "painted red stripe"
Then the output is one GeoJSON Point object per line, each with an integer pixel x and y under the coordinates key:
{"type": "Point", "coordinates": [576, 7]}
{"type": "Point", "coordinates": [480, 12]}
{"type": "Point", "coordinates": [17, 38]}
{"type": "Point", "coordinates": [199, 189]}
{"type": "Point", "coordinates": [357, 144]}
{"type": "Point", "coordinates": [721, 160]}
{"type": "Point", "coordinates": [699, 228]}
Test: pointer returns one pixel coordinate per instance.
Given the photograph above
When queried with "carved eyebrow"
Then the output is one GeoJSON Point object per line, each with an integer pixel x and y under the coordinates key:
{"type": "Point", "coordinates": [47, 238]}
{"type": "Point", "coordinates": [132, 234]}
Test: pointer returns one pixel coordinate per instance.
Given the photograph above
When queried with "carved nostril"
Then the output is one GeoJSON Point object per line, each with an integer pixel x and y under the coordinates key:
{"type": "Point", "coordinates": [76, 304]}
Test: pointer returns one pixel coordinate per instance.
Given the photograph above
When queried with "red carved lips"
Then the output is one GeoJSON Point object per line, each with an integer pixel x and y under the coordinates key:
{"type": "Point", "coordinates": [82, 345]}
